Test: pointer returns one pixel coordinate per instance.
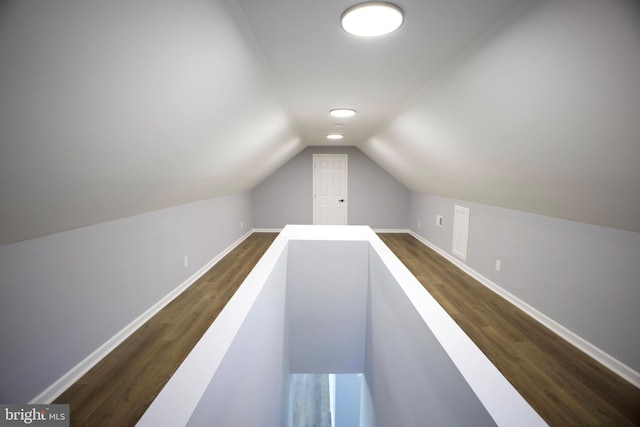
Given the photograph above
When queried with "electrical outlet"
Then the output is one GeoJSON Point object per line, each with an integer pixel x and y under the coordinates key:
{"type": "Point", "coordinates": [498, 265]}
{"type": "Point", "coordinates": [419, 224]}
{"type": "Point", "coordinates": [241, 225]}
{"type": "Point", "coordinates": [186, 261]}
{"type": "Point", "coordinates": [439, 220]}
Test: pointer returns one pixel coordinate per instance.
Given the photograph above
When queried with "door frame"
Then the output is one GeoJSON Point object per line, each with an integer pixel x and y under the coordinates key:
{"type": "Point", "coordinates": [346, 183]}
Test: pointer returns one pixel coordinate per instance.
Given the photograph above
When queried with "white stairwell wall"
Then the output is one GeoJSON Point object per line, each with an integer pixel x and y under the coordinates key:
{"type": "Point", "coordinates": [350, 306]}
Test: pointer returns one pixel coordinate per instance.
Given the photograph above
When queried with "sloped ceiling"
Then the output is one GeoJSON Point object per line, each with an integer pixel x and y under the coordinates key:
{"type": "Point", "coordinates": [110, 109]}
{"type": "Point", "coordinates": [544, 117]}
{"type": "Point", "coordinates": [114, 108]}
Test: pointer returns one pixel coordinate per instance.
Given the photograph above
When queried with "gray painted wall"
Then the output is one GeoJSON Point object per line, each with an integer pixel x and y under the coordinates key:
{"type": "Point", "coordinates": [584, 277]}
{"type": "Point", "coordinates": [66, 294]}
{"type": "Point", "coordinates": [375, 198]}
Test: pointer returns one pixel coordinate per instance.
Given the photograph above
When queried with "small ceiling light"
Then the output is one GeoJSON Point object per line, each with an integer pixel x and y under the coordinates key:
{"type": "Point", "coordinates": [372, 19]}
{"type": "Point", "coordinates": [335, 136]}
{"type": "Point", "coordinates": [342, 112]}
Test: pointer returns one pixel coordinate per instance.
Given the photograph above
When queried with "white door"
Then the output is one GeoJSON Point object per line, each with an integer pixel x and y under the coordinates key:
{"type": "Point", "coordinates": [330, 189]}
{"type": "Point", "coordinates": [460, 231]}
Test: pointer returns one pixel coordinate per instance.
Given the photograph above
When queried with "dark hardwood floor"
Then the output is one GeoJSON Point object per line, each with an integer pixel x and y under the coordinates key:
{"type": "Point", "coordinates": [564, 385]}
{"type": "Point", "coordinates": [118, 390]}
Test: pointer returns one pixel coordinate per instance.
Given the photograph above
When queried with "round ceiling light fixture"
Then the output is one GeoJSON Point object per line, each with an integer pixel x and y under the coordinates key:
{"type": "Point", "coordinates": [342, 112]}
{"type": "Point", "coordinates": [335, 136]}
{"type": "Point", "coordinates": [372, 19]}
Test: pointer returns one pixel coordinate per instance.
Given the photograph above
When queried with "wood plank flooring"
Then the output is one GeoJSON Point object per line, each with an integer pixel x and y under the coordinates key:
{"type": "Point", "coordinates": [118, 390]}
{"type": "Point", "coordinates": [564, 385]}
{"type": "Point", "coordinates": [310, 400]}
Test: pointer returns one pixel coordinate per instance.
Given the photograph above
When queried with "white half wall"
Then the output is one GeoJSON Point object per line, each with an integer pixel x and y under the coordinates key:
{"type": "Point", "coordinates": [411, 384]}
{"type": "Point", "coordinates": [67, 294]}
{"type": "Point", "coordinates": [419, 365]}
{"type": "Point", "coordinates": [251, 383]}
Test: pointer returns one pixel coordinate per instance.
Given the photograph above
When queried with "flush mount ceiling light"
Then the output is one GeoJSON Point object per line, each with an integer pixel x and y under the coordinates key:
{"type": "Point", "coordinates": [335, 136]}
{"type": "Point", "coordinates": [372, 19]}
{"type": "Point", "coordinates": [342, 112]}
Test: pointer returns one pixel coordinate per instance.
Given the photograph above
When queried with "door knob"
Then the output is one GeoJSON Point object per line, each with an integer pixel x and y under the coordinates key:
{"type": "Point", "coordinates": [341, 200]}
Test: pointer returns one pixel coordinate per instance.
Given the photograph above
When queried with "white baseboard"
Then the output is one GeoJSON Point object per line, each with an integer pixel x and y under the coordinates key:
{"type": "Point", "coordinates": [391, 230]}
{"type": "Point", "coordinates": [377, 230]}
{"type": "Point", "coordinates": [75, 373]}
{"type": "Point", "coordinates": [595, 352]}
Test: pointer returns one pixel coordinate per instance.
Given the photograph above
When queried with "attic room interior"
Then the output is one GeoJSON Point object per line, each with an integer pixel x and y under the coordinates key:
{"type": "Point", "coordinates": [145, 146]}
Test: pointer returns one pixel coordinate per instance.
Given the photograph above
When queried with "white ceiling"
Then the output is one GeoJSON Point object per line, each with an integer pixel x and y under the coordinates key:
{"type": "Point", "coordinates": [110, 109]}
{"type": "Point", "coordinates": [318, 66]}
{"type": "Point", "coordinates": [542, 116]}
